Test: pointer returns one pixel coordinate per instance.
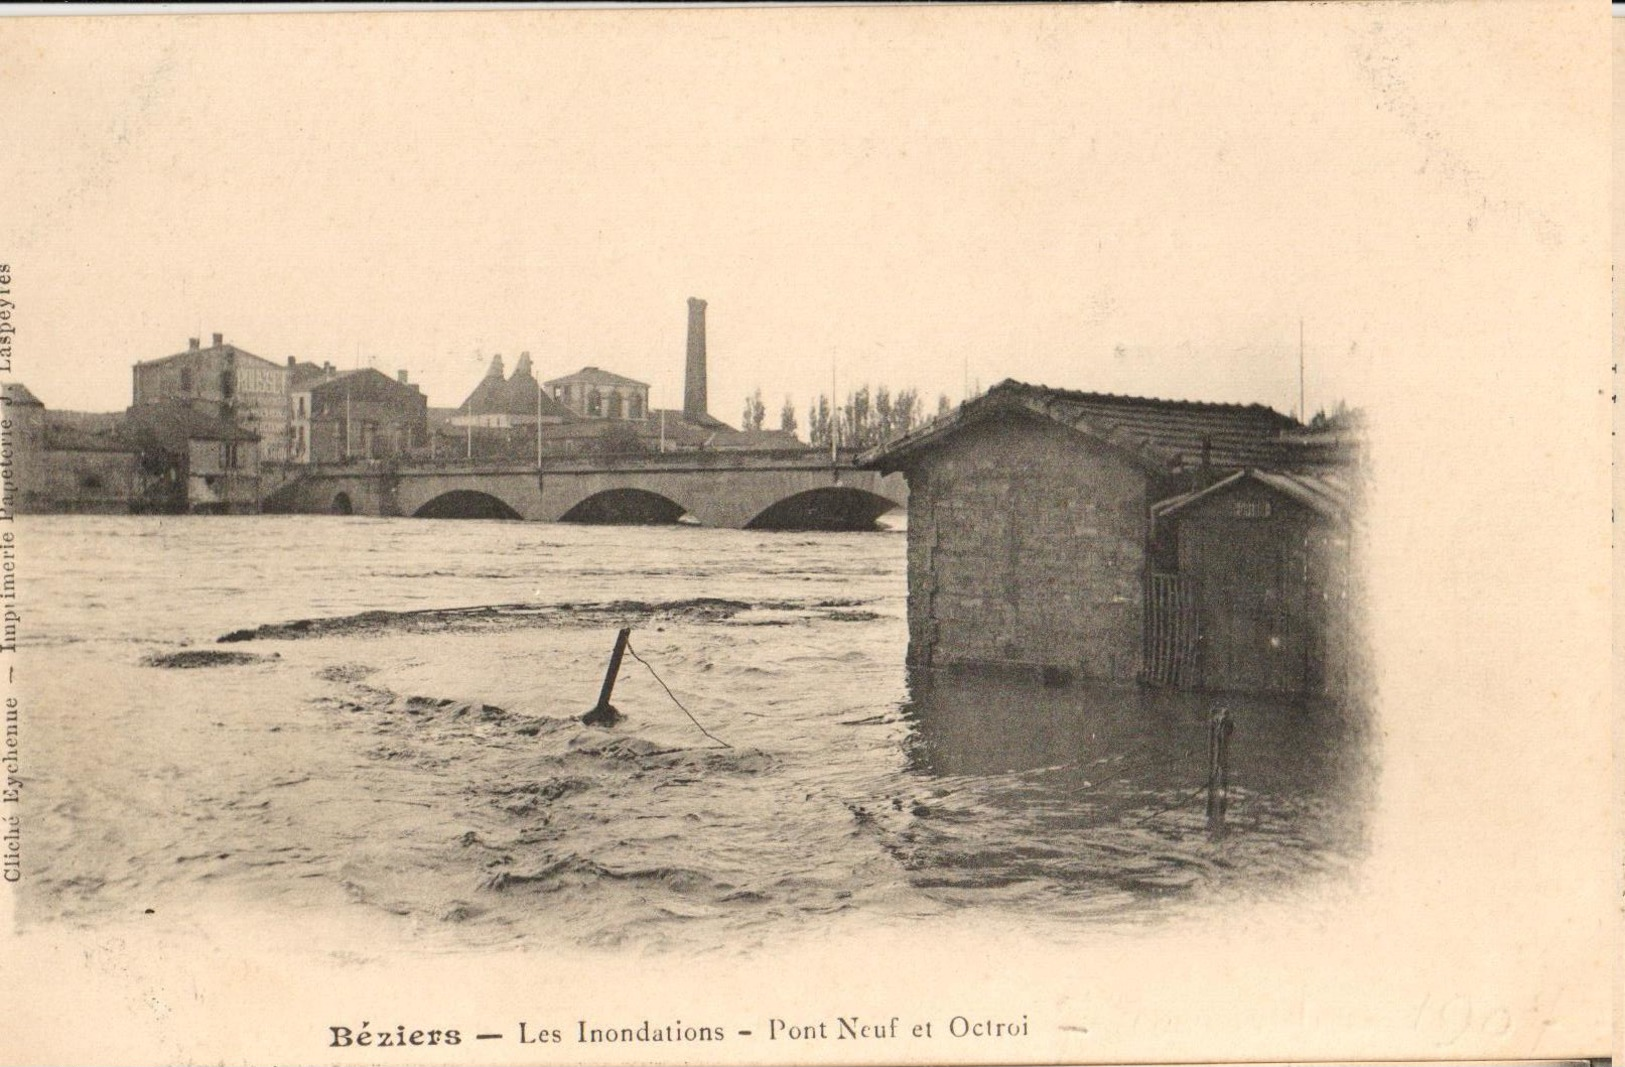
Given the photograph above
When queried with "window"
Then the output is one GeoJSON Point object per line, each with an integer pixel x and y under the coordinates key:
{"type": "Point", "coordinates": [634, 406]}
{"type": "Point", "coordinates": [186, 379]}
{"type": "Point", "coordinates": [615, 405]}
{"type": "Point", "coordinates": [301, 407]}
{"type": "Point", "coordinates": [595, 404]}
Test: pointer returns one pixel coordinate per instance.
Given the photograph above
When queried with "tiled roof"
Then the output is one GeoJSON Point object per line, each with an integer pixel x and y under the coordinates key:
{"type": "Point", "coordinates": [704, 422]}
{"type": "Point", "coordinates": [515, 396]}
{"type": "Point", "coordinates": [171, 423]}
{"type": "Point", "coordinates": [1161, 435]}
{"type": "Point", "coordinates": [367, 382]}
{"type": "Point", "coordinates": [72, 439]}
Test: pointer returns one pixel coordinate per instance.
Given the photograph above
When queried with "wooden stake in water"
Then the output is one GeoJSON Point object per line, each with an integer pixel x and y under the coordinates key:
{"type": "Point", "coordinates": [604, 713]}
{"type": "Point", "coordinates": [1220, 727]}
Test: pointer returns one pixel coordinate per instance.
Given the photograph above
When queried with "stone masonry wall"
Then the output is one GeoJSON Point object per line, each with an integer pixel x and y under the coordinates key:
{"type": "Point", "coordinates": [1026, 545]}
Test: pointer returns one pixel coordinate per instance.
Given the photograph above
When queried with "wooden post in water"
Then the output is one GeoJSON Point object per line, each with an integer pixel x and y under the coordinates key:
{"type": "Point", "coordinates": [1220, 727]}
{"type": "Point", "coordinates": [604, 713]}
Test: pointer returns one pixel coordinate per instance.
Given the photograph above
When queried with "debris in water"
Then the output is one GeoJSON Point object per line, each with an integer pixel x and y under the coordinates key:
{"type": "Point", "coordinates": [190, 658]}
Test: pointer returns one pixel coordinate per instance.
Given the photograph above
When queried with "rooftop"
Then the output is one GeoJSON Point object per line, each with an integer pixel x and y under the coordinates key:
{"type": "Point", "coordinates": [220, 347]}
{"type": "Point", "coordinates": [171, 423]}
{"type": "Point", "coordinates": [1162, 435]}
{"type": "Point", "coordinates": [596, 376]}
{"type": "Point", "coordinates": [18, 393]}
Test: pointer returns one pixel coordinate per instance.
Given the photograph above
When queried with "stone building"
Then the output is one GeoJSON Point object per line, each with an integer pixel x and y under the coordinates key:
{"type": "Point", "coordinates": [87, 473]}
{"type": "Point", "coordinates": [345, 416]}
{"type": "Point", "coordinates": [592, 393]}
{"type": "Point", "coordinates": [227, 382]}
{"type": "Point", "coordinates": [1030, 538]}
{"type": "Point", "coordinates": [21, 490]}
{"type": "Point", "coordinates": [64, 461]}
{"type": "Point", "coordinates": [194, 462]}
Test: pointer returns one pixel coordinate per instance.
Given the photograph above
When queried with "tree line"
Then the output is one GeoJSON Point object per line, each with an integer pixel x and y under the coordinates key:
{"type": "Point", "coordinates": [864, 419]}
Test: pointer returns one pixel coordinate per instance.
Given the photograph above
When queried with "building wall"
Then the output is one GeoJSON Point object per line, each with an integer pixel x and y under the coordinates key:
{"type": "Point", "coordinates": [222, 476]}
{"type": "Point", "coordinates": [87, 482]}
{"type": "Point", "coordinates": [26, 489]}
{"type": "Point", "coordinates": [1026, 545]}
{"type": "Point", "coordinates": [602, 401]}
{"type": "Point", "coordinates": [367, 417]}
{"type": "Point", "coordinates": [253, 391]}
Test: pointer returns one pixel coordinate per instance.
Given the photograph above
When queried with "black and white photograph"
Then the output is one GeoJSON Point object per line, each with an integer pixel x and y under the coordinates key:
{"type": "Point", "coordinates": [918, 534]}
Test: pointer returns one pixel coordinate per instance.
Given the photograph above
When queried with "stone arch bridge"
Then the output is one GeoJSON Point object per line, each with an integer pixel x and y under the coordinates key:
{"type": "Point", "coordinates": [738, 490]}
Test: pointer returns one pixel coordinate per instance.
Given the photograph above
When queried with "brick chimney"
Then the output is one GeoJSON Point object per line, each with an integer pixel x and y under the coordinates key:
{"type": "Point", "coordinates": [694, 403]}
{"type": "Point", "coordinates": [219, 339]}
{"type": "Point", "coordinates": [400, 376]}
{"type": "Point", "coordinates": [192, 344]}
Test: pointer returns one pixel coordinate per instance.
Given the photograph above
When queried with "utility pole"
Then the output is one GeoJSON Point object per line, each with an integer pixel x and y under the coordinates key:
{"type": "Point", "coordinates": [1303, 411]}
{"type": "Point", "coordinates": [834, 416]}
{"type": "Point", "coordinates": [538, 424]}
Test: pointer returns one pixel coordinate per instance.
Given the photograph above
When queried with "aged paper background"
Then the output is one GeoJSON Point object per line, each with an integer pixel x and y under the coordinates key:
{"type": "Point", "coordinates": [1483, 923]}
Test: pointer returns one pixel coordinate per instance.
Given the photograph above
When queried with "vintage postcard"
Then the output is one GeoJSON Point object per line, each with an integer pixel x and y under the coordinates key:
{"type": "Point", "coordinates": [1049, 534]}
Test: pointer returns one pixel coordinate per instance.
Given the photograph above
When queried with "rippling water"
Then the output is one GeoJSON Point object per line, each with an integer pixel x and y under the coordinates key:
{"type": "Point", "coordinates": [425, 765]}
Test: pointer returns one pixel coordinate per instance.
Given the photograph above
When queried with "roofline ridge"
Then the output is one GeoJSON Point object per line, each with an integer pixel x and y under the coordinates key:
{"type": "Point", "coordinates": [1012, 384]}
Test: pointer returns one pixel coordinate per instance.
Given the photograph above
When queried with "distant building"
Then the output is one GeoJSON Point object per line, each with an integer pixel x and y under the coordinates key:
{"type": "Point", "coordinates": [503, 403]}
{"type": "Point", "coordinates": [591, 411]}
{"type": "Point", "coordinates": [1030, 539]}
{"type": "Point", "coordinates": [227, 382]}
{"type": "Point", "coordinates": [591, 393]}
{"type": "Point", "coordinates": [357, 415]}
{"type": "Point", "coordinates": [194, 462]}
{"type": "Point", "coordinates": [65, 461]}
{"type": "Point", "coordinates": [88, 473]}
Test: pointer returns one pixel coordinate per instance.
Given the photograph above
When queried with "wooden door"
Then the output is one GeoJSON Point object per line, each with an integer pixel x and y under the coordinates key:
{"type": "Point", "coordinates": [1253, 637]}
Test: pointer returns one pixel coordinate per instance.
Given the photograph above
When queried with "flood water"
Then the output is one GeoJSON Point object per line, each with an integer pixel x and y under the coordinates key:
{"type": "Point", "coordinates": [412, 753]}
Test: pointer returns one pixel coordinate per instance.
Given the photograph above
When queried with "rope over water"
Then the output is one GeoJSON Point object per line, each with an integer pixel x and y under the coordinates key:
{"type": "Point", "coordinates": [674, 700]}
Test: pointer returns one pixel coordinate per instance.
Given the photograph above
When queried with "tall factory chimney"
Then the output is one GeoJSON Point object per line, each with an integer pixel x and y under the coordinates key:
{"type": "Point", "coordinates": [694, 403]}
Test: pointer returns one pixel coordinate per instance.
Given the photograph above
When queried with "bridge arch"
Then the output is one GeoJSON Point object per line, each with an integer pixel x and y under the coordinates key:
{"type": "Point", "coordinates": [830, 507]}
{"type": "Point", "coordinates": [465, 504]}
{"type": "Point", "coordinates": [626, 507]}
{"type": "Point", "coordinates": [342, 504]}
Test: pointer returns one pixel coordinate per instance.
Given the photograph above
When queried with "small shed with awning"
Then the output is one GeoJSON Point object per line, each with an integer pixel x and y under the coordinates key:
{"type": "Point", "coordinates": [1251, 584]}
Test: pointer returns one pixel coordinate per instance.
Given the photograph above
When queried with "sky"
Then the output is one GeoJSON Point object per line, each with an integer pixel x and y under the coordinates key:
{"type": "Point", "coordinates": [1139, 200]}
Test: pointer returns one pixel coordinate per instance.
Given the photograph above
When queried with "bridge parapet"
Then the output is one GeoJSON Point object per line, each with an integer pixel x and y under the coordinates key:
{"type": "Point", "coordinates": [795, 489]}
{"type": "Point", "coordinates": [755, 459]}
